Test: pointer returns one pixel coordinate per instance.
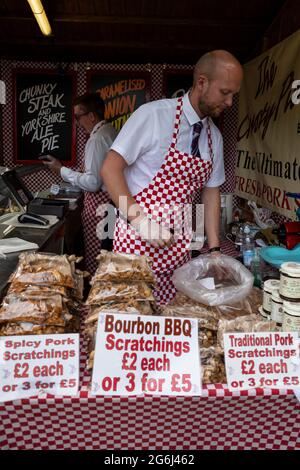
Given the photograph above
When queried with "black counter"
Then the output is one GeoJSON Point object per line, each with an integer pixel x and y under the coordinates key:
{"type": "Point", "coordinates": [59, 238]}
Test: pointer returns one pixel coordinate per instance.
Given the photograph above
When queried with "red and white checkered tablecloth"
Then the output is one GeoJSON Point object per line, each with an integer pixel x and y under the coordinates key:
{"type": "Point", "coordinates": [255, 419]}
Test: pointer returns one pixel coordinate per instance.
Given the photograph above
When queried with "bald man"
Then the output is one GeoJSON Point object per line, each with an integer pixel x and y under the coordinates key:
{"type": "Point", "coordinates": [166, 152]}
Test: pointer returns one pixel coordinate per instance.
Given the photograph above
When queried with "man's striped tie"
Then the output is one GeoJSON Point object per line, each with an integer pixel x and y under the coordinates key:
{"type": "Point", "coordinates": [197, 128]}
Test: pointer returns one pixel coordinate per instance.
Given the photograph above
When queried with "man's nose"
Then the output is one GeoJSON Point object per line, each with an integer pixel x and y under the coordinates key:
{"type": "Point", "coordinates": [228, 101]}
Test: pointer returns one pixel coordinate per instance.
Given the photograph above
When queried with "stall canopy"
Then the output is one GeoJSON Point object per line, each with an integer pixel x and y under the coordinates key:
{"type": "Point", "coordinates": [136, 31]}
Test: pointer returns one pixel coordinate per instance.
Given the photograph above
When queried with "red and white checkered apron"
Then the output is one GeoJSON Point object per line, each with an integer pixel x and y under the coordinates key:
{"type": "Point", "coordinates": [173, 186]}
{"type": "Point", "coordinates": [92, 214]}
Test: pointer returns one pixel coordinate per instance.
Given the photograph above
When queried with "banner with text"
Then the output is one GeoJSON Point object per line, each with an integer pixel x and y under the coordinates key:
{"type": "Point", "coordinates": [268, 135]}
{"type": "Point", "coordinates": [38, 364]}
{"type": "Point", "coordinates": [146, 355]}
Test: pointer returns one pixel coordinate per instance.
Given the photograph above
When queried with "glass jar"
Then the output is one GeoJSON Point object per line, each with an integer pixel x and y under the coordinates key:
{"type": "Point", "coordinates": [276, 308]}
{"type": "Point", "coordinates": [290, 281]}
{"type": "Point", "coordinates": [269, 286]}
{"type": "Point", "coordinates": [291, 316]}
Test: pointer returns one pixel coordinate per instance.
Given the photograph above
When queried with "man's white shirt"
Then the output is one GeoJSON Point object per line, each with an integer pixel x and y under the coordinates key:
{"type": "Point", "coordinates": [145, 138]}
{"type": "Point", "coordinates": [96, 148]}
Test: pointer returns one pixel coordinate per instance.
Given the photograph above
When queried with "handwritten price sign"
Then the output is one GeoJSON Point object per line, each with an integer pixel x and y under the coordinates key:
{"type": "Point", "coordinates": [263, 360]}
{"type": "Point", "coordinates": [35, 365]}
{"type": "Point", "coordinates": [141, 355]}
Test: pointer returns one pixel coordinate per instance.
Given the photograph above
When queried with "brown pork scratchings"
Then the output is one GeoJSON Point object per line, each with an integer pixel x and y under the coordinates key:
{"type": "Point", "coordinates": [135, 307]}
{"type": "Point", "coordinates": [212, 365]}
{"type": "Point", "coordinates": [245, 324]}
{"type": "Point", "coordinates": [103, 292]}
{"type": "Point", "coordinates": [43, 269]}
{"type": "Point", "coordinates": [31, 290]}
{"type": "Point", "coordinates": [48, 310]}
{"type": "Point", "coordinates": [206, 317]}
{"type": "Point", "coordinates": [119, 267]}
{"type": "Point", "coordinates": [24, 328]}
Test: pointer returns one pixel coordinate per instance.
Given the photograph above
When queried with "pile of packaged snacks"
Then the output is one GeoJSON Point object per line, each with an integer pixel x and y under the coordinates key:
{"type": "Point", "coordinates": [43, 297]}
{"type": "Point", "coordinates": [213, 322]}
{"type": "Point", "coordinates": [246, 324]}
{"type": "Point", "coordinates": [122, 284]}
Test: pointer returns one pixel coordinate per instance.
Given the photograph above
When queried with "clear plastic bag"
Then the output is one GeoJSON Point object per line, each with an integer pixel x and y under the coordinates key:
{"type": "Point", "coordinates": [35, 290]}
{"type": "Point", "coordinates": [43, 269]}
{"type": "Point", "coordinates": [233, 282]}
{"type": "Point", "coordinates": [103, 292]}
{"type": "Point", "coordinates": [21, 308]}
{"type": "Point", "coordinates": [13, 329]}
{"type": "Point", "coordinates": [123, 267]}
{"type": "Point", "coordinates": [134, 306]}
{"type": "Point", "coordinates": [246, 324]}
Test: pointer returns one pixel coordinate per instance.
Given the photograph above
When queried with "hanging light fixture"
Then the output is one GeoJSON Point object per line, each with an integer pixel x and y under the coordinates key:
{"type": "Point", "coordinates": [40, 16]}
{"type": "Point", "coordinates": [2, 92]}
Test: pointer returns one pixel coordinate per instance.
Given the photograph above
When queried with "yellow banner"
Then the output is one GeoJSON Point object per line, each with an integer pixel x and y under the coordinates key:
{"type": "Point", "coordinates": [268, 136]}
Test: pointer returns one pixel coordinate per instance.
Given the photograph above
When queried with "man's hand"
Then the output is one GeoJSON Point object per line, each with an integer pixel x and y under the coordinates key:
{"type": "Point", "coordinates": [52, 163]}
{"type": "Point", "coordinates": [152, 232]}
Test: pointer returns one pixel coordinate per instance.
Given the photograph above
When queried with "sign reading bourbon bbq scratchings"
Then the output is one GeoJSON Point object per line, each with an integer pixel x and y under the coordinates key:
{"type": "Point", "coordinates": [44, 121]}
{"type": "Point", "coordinates": [122, 93]}
{"type": "Point", "coordinates": [138, 354]}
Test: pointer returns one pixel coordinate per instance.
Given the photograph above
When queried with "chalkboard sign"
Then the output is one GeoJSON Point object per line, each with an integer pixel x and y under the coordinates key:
{"type": "Point", "coordinates": [177, 82]}
{"type": "Point", "coordinates": [44, 116]}
{"type": "Point", "coordinates": [122, 93]}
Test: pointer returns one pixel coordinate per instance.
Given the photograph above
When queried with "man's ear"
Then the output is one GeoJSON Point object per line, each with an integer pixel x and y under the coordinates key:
{"type": "Point", "coordinates": [202, 82]}
{"type": "Point", "coordinates": [94, 117]}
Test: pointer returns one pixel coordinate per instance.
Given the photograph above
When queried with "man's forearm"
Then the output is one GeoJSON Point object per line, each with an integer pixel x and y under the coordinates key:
{"type": "Point", "coordinates": [112, 173]}
{"type": "Point", "coordinates": [212, 204]}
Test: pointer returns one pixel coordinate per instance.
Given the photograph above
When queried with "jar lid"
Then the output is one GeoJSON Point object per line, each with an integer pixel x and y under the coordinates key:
{"type": "Point", "coordinates": [291, 307]}
{"type": "Point", "coordinates": [291, 268]}
{"type": "Point", "coordinates": [262, 312]}
{"type": "Point", "coordinates": [271, 284]}
{"type": "Point", "coordinates": [276, 296]}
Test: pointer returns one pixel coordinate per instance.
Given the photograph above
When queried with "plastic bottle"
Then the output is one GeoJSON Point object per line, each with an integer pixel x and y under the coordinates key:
{"type": "Point", "coordinates": [255, 268]}
{"type": "Point", "coordinates": [247, 247]}
{"type": "Point", "coordinates": [239, 238]}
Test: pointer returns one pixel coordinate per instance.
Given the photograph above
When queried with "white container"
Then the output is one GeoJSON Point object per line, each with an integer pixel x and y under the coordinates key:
{"type": "Point", "coordinates": [226, 201]}
{"type": "Point", "coordinates": [291, 316]}
{"type": "Point", "coordinates": [263, 314]}
{"type": "Point", "coordinates": [276, 308]}
{"type": "Point", "coordinates": [269, 286]}
{"type": "Point", "coordinates": [290, 281]}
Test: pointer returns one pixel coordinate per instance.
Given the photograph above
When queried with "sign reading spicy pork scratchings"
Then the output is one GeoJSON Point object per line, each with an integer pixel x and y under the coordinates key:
{"type": "Point", "coordinates": [141, 355]}
{"type": "Point", "coordinates": [34, 365]}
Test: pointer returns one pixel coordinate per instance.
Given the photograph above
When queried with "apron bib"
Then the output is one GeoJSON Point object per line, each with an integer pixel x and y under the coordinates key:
{"type": "Point", "coordinates": [168, 200]}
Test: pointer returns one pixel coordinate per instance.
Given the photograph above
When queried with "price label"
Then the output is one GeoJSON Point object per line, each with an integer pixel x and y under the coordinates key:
{"type": "Point", "coordinates": [146, 355]}
{"type": "Point", "coordinates": [262, 360]}
{"type": "Point", "coordinates": [38, 365]}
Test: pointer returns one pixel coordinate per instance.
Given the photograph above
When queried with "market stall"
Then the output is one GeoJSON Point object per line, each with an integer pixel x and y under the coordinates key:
{"type": "Point", "coordinates": [259, 418]}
